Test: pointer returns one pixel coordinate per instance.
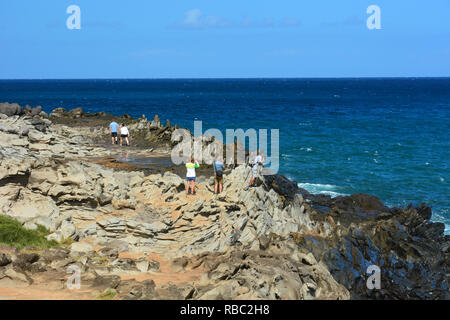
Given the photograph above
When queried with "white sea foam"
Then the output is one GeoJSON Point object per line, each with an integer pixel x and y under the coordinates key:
{"type": "Point", "coordinates": [317, 188]}
{"type": "Point", "coordinates": [440, 216]}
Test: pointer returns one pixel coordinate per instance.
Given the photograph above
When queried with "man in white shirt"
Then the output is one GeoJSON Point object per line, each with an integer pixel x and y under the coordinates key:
{"type": "Point", "coordinates": [257, 163]}
{"type": "Point", "coordinates": [124, 134]}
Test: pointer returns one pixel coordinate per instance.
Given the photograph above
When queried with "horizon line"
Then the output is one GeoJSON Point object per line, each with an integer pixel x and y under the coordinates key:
{"type": "Point", "coordinates": [230, 78]}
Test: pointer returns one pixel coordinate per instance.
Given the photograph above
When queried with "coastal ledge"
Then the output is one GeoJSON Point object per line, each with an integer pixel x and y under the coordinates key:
{"type": "Point", "coordinates": [136, 235]}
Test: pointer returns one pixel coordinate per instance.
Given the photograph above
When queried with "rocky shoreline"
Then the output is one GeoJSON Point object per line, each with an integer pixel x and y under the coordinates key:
{"type": "Point", "coordinates": [134, 233]}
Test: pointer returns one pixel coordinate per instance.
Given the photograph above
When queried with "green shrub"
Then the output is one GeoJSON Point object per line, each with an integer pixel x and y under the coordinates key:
{"type": "Point", "coordinates": [12, 233]}
{"type": "Point", "coordinates": [108, 294]}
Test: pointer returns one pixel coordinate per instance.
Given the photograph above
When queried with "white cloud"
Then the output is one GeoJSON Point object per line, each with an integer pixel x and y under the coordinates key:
{"type": "Point", "coordinates": [192, 17]}
{"type": "Point", "coordinates": [196, 19]}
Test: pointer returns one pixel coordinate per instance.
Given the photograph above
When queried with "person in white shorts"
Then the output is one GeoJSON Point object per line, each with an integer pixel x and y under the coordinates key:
{"type": "Point", "coordinates": [124, 134]}
{"type": "Point", "coordinates": [257, 164]}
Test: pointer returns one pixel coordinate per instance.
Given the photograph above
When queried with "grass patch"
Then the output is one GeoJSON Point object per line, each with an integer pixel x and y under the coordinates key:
{"type": "Point", "coordinates": [13, 234]}
{"type": "Point", "coordinates": [100, 260]}
{"type": "Point", "coordinates": [66, 242]}
{"type": "Point", "coordinates": [108, 294]}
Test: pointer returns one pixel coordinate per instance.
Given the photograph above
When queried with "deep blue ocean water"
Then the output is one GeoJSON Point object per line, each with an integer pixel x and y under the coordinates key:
{"type": "Point", "coordinates": [386, 137]}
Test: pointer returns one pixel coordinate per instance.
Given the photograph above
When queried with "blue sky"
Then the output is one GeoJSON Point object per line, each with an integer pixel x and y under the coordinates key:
{"type": "Point", "coordinates": [215, 39]}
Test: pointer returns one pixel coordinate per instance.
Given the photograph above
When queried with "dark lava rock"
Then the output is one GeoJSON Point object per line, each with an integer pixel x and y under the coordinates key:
{"type": "Point", "coordinates": [23, 261]}
{"type": "Point", "coordinates": [55, 254]}
{"type": "Point", "coordinates": [104, 282]}
{"type": "Point", "coordinates": [124, 264]}
{"type": "Point", "coordinates": [281, 185]}
{"type": "Point", "coordinates": [404, 244]}
{"type": "Point", "coordinates": [143, 291]}
{"type": "Point", "coordinates": [4, 259]}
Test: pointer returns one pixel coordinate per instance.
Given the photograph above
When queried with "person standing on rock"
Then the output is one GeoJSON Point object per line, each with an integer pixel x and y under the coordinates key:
{"type": "Point", "coordinates": [124, 134]}
{"type": "Point", "coordinates": [218, 175]}
{"type": "Point", "coordinates": [113, 127]}
{"type": "Point", "coordinates": [257, 163]}
{"type": "Point", "coordinates": [190, 175]}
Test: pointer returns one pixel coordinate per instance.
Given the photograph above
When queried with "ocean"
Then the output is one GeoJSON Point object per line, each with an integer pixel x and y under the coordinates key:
{"type": "Point", "coordinates": [386, 137]}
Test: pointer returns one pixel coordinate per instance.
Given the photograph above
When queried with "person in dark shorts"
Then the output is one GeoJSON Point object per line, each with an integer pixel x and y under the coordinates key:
{"type": "Point", "coordinates": [113, 128]}
{"type": "Point", "coordinates": [124, 134]}
{"type": "Point", "coordinates": [218, 175]}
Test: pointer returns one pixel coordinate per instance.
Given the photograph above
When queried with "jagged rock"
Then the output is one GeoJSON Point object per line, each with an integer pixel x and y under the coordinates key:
{"type": "Point", "coordinates": [10, 109]}
{"type": "Point", "coordinates": [105, 199]}
{"type": "Point", "coordinates": [30, 226]}
{"type": "Point", "coordinates": [174, 181]}
{"type": "Point", "coordinates": [119, 245]}
{"type": "Point", "coordinates": [124, 264]}
{"type": "Point", "coordinates": [109, 252]}
{"type": "Point", "coordinates": [31, 207]}
{"type": "Point", "coordinates": [104, 282]}
{"type": "Point", "coordinates": [308, 259]}
{"type": "Point", "coordinates": [42, 179]}
{"type": "Point", "coordinates": [76, 113]}
{"type": "Point", "coordinates": [55, 236]}
{"type": "Point", "coordinates": [36, 111]}
{"type": "Point", "coordinates": [144, 291]}
{"type": "Point", "coordinates": [58, 112]}
{"type": "Point", "coordinates": [38, 137]}
{"type": "Point", "coordinates": [224, 291]}
{"type": "Point", "coordinates": [4, 259]}
{"type": "Point", "coordinates": [55, 254]}
{"type": "Point", "coordinates": [24, 260]}
{"type": "Point", "coordinates": [144, 265]}
{"type": "Point", "coordinates": [18, 276]}
{"type": "Point", "coordinates": [81, 249]}
{"type": "Point", "coordinates": [123, 204]}
{"type": "Point", "coordinates": [67, 230]}
{"type": "Point", "coordinates": [156, 123]}
{"type": "Point", "coordinates": [271, 241]}
{"type": "Point", "coordinates": [44, 115]}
